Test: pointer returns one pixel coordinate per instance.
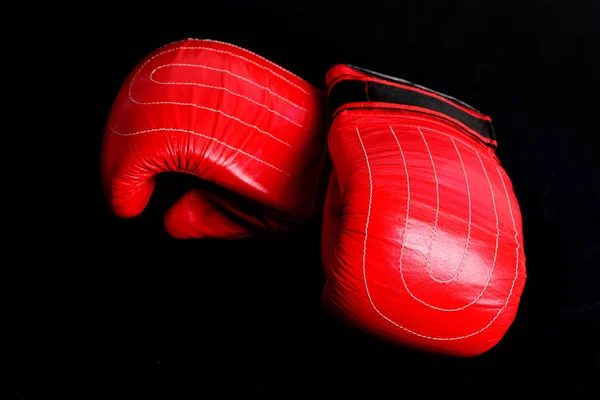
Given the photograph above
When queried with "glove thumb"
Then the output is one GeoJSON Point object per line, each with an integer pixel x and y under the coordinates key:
{"type": "Point", "coordinates": [202, 214]}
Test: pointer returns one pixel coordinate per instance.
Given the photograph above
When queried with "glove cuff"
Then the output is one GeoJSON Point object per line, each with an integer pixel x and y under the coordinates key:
{"type": "Point", "coordinates": [351, 87]}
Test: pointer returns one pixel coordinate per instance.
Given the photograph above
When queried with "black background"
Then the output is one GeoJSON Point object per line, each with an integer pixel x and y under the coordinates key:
{"type": "Point", "coordinates": [118, 307]}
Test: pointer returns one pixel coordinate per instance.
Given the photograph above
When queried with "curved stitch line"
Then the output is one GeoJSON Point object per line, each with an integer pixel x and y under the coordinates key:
{"type": "Point", "coordinates": [437, 193]}
{"type": "Point", "coordinates": [224, 52]}
{"type": "Point", "coordinates": [253, 62]}
{"type": "Point", "coordinates": [242, 78]}
{"type": "Point", "coordinates": [217, 88]}
{"type": "Point", "coordinates": [375, 124]}
{"type": "Point", "coordinates": [447, 135]}
{"type": "Point", "coordinates": [462, 164]}
{"type": "Point", "coordinates": [489, 274]}
{"type": "Point", "coordinates": [177, 103]}
{"type": "Point", "coordinates": [205, 137]}
{"type": "Point", "coordinates": [206, 108]}
{"type": "Point", "coordinates": [238, 48]}
{"type": "Point", "coordinates": [193, 104]}
{"type": "Point", "coordinates": [437, 210]}
{"type": "Point", "coordinates": [365, 250]}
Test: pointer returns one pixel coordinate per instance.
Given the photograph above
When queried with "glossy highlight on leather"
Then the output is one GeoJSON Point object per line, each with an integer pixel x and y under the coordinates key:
{"type": "Point", "coordinates": [225, 115]}
{"type": "Point", "coordinates": [422, 236]}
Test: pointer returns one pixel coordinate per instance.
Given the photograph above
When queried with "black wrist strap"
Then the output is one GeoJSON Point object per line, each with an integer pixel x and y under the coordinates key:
{"type": "Point", "coordinates": [365, 91]}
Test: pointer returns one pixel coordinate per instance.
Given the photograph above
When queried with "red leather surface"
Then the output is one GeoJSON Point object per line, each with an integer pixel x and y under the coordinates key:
{"type": "Point", "coordinates": [423, 244]}
{"type": "Point", "coordinates": [225, 115]}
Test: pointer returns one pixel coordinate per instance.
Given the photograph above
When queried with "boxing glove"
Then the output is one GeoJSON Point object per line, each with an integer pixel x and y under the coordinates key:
{"type": "Point", "coordinates": [227, 116]}
{"type": "Point", "coordinates": [422, 242]}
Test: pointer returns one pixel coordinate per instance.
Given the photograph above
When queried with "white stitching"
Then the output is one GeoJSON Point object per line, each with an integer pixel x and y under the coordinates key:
{"type": "Point", "coordinates": [241, 49]}
{"type": "Point", "coordinates": [489, 275]}
{"type": "Point", "coordinates": [217, 88]}
{"type": "Point", "coordinates": [192, 104]}
{"type": "Point", "coordinates": [205, 137]}
{"type": "Point", "coordinates": [462, 164]}
{"type": "Point", "coordinates": [436, 131]}
{"type": "Point", "coordinates": [437, 196]}
{"type": "Point", "coordinates": [219, 112]}
{"type": "Point", "coordinates": [364, 257]}
{"type": "Point", "coordinates": [405, 226]}
{"type": "Point", "coordinates": [222, 52]}
{"type": "Point", "coordinates": [210, 109]}
{"type": "Point", "coordinates": [437, 210]}
{"type": "Point", "coordinates": [491, 270]}
{"type": "Point", "coordinates": [252, 62]}
{"type": "Point", "coordinates": [224, 71]}
{"type": "Point", "coordinates": [235, 47]}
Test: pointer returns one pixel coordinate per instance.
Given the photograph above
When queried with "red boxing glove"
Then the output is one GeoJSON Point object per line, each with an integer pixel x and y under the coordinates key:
{"type": "Point", "coordinates": [422, 238]}
{"type": "Point", "coordinates": [223, 114]}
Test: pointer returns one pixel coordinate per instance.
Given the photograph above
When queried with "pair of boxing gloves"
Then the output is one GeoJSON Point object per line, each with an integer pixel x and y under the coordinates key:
{"type": "Point", "coordinates": [421, 232]}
